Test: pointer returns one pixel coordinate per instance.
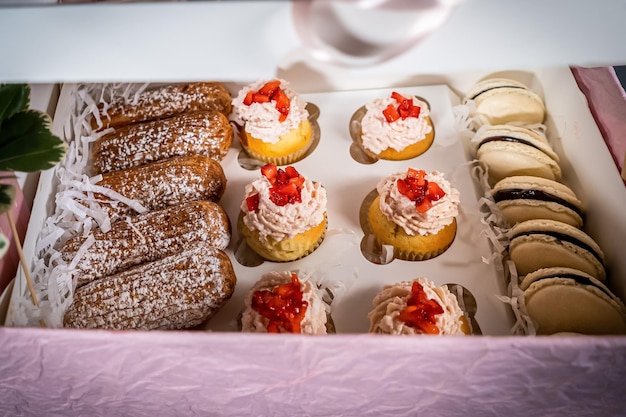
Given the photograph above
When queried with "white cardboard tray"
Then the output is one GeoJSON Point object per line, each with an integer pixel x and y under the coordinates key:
{"type": "Point", "coordinates": [585, 162]}
{"type": "Point", "coordinates": [348, 182]}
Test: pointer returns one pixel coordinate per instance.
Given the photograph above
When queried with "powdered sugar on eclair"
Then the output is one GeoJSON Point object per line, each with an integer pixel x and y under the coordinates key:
{"type": "Point", "coordinates": [378, 134]}
{"type": "Point", "coordinates": [399, 209]}
{"type": "Point", "coordinates": [261, 120]}
{"type": "Point", "coordinates": [281, 222]}
{"type": "Point", "coordinates": [315, 317]}
{"type": "Point", "coordinates": [393, 299]}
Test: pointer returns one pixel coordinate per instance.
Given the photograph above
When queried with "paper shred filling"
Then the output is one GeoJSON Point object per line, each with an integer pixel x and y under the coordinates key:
{"type": "Point", "coordinates": [75, 211]}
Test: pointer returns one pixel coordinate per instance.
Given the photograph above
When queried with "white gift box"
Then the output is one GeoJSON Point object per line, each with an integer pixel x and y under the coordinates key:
{"type": "Point", "coordinates": [221, 372]}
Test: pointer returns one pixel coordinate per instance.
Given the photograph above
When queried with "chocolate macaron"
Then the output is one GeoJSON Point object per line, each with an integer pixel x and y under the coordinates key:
{"type": "Point", "coordinates": [511, 150]}
{"type": "Point", "coordinates": [523, 197]}
{"type": "Point", "coordinates": [502, 101]}
{"type": "Point", "coordinates": [536, 244]}
{"type": "Point", "coordinates": [566, 300]}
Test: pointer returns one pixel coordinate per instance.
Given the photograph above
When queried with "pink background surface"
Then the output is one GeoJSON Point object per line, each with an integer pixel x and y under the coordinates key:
{"type": "Point", "coordinates": [607, 102]}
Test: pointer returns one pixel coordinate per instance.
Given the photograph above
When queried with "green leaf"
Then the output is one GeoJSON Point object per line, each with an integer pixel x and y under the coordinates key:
{"type": "Point", "coordinates": [4, 244]}
{"type": "Point", "coordinates": [7, 196]}
{"type": "Point", "coordinates": [27, 144]}
{"type": "Point", "coordinates": [14, 98]}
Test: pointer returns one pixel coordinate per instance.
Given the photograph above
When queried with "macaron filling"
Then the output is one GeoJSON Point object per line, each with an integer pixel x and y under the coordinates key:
{"type": "Point", "coordinates": [508, 139]}
{"type": "Point", "coordinates": [580, 279]}
{"type": "Point", "coordinates": [494, 88]}
{"type": "Point", "coordinates": [530, 194]}
{"type": "Point", "coordinates": [562, 237]}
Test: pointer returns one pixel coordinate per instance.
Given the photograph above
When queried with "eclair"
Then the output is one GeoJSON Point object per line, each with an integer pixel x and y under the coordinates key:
{"type": "Point", "coordinates": [176, 292]}
{"type": "Point", "coordinates": [199, 133]}
{"type": "Point", "coordinates": [164, 102]}
{"type": "Point", "coordinates": [147, 237]}
{"type": "Point", "coordinates": [166, 183]}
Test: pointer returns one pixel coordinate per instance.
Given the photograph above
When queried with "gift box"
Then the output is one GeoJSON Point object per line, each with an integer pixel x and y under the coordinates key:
{"type": "Point", "coordinates": [219, 371]}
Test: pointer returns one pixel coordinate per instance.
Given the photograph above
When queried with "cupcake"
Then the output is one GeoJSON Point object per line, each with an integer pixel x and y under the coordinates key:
{"type": "Point", "coordinates": [415, 212]}
{"type": "Point", "coordinates": [283, 214]}
{"type": "Point", "coordinates": [417, 307]}
{"type": "Point", "coordinates": [281, 303]}
{"type": "Point", "coordinates": [396, 127]}
{"type": "Point", "coordinates": [275, 124]}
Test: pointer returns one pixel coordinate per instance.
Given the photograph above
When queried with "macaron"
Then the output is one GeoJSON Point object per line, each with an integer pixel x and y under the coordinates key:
{"type": "Point", "coordinates": [502, 101]}
{"type": "Point", "coordinates": [523, 197]}
{"type": "Point", "coordinates": [536, 244]}
{"type": "Point", "coordinates": [566, 300]}
{"type": "Point", "coordinates": [512, 150]}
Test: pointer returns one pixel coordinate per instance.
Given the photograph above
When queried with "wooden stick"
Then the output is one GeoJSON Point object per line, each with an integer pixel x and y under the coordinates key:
{"type": "Point", "coordinates": [29, 281]}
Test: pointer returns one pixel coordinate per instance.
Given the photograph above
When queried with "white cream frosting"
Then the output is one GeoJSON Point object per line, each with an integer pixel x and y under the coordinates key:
{"type": "Point", "coordinates": [284, 222]}
{"type": "Point", "coordinates": [399, 209]}
{"type": "Point", "coordinates": [393, 299]}
{"type": "Point", "coordinates": [261, 119]}
{"type": "Point", "coordinates": [314, 321]}
{"type": "Point", "coordinates": [378, 134]}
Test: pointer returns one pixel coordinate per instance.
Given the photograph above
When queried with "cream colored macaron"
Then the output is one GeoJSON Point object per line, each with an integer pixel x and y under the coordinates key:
{"type": "Point", "coordinates": [566, 300]}
{"type": "Point", "coordinates": [502, 101]}
{"type": "Point", "coordinates": [523, 197]}
{"type": "Point", "coordinates": [536, 244]}
{"type": "Point", "coordinates": [512, 150]}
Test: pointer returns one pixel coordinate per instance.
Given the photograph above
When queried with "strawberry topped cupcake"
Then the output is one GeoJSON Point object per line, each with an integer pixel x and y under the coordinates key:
{"type": "Point", "coordinates": [274, 120]}
{"type": "Point", "coordinates": [417, 307]}
{"type": "Point", "coordinates": [283, 214]}
{"type": "Point", "coordinates": [280, 302]}
{"type": "Point", "coordinates": [397, 127]}
{"type": "Point", "coordinates": [415, 212]}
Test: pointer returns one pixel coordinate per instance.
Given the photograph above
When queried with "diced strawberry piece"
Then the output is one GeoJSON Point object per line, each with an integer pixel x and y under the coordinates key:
{"type": "Point", "coordinates": [282, 117]}
{"type": "Point", "coordinates": [434, 191]}
{"type": "Point", "coordinates": [391, 114]}
{"type": "Point", "coordinates": [406, 104]}
{"type": "Point", "coordinates": [298, 181]}
{"type": "Point", "coordinates": [415, 111]}
{"type": "Point", "coordinates": [404, 113]}
{"type": "Point", "coordinates": [283, 307]}
{"type": "Point", "coordinates": [269, 171]}
{"type": "Point", "coordinates": [249, 98]}
{"type": "Point", "coordinates": [281, 177]}
{"type": "Point", "coordinates": [278, 198]}
{"type": "Point", "coordinates": [281, 98]}
{"type": "Point", "coordinates": [260, 98]}
{"type": "Point", "coordinates": [423, 206]}
{"type": "Point", "coordinates": [405, 189]}
{"type": "Point", "coordinates": [414, 173]}
{"type": "Point", "coordinates": [420, 311]}
{"type": "Point", "coordinates": [292, 172]}
{"type": "Point", "coordinates": [398, 97]}
{"type": "Point", "coordinates": [288, 189]}
{"type": "Point", "coordinates": [253, 202]}
{"type": "Point", "coordinates": [269, 88]}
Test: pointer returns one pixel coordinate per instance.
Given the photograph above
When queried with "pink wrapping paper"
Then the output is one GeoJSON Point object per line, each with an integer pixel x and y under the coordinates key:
{"type": "Point", "coordinates": [68, 373]}
{"type": "Point", "coordinates": [607, 102]}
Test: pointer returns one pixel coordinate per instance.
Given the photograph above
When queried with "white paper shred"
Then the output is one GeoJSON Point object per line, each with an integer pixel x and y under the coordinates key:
{"type": "Point", "coordinates": [496, 229]}
{"type": "Point", "coordinates": [77, 210]}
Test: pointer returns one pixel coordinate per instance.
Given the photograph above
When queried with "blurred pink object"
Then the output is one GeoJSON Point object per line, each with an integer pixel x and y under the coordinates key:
{"type": "Point", "coordinates": [21, 214]}
{"type": "Point", "coordinates": [607, 102]}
